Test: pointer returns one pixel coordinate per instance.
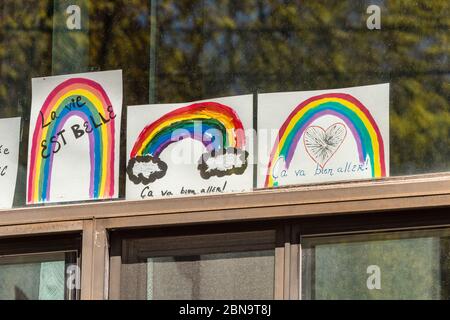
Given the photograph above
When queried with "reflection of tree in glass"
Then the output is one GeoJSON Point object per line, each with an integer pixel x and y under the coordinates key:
{"type": "Point", "coordinates": [213, 48]}
{"type": "Point", "coordinates": [206, 48]}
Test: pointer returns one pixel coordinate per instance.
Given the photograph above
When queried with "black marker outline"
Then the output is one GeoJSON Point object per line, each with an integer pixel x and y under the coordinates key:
{"type": "Point", "coordinates": [140, 177]}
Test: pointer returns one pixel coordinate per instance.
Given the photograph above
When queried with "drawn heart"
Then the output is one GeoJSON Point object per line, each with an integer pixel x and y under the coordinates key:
{"type": "Point", "coordinates": [321, 145]}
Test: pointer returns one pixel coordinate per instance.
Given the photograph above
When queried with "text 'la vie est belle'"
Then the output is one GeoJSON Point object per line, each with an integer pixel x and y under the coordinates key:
{"type": "Point", "coordinates": [57, 141]}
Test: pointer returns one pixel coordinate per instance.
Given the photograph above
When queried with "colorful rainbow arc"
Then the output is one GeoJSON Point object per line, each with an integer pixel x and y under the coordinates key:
{"type": "Point", "coordinates": [193, 121]}
{"type": "Point", "coordinates": [355, 115]}
{"type": "Point", "coordinates": [101, 140]}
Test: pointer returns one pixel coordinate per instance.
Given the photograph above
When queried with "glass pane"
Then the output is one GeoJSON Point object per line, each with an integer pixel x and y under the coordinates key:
{"type": "Point", "coordinates": [409, 265]}
{"type": "Point", "coordinates": [33, 277]}
{"type": "Point", "coordinates": [177, 51]}
{"type": "Point", "coordinates": [240, 275]}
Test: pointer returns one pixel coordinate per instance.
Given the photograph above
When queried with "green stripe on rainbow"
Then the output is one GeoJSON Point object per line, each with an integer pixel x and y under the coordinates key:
{"type": "Point", "coordinates": [355, 115]}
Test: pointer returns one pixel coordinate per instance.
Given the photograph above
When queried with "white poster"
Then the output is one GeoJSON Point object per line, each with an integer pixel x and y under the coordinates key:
{"type": "Point", "coordinates": [9, 160]}
{"type": "Point", "coordinates": [74, 140]}
{"type": "Point", "coordinates": [323, 136]}
{"type": "Point", "coordinates": [188, 149]}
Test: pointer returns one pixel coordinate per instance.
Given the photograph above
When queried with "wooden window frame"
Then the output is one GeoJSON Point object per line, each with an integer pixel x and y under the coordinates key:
{"type": "Point", "coordinates": [133, 245]}
{"type": "Point", "coordinates": [388, 227]}
{"type": "Point", "coordinates": [356, 206]}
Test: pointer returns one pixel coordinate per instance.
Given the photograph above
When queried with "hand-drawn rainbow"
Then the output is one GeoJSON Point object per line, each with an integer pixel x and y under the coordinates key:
{"type": "Point", "coordinates": [101, 140]}
{"type": "Point", "coordinates": [196, 121]}
{"type": "Point", "coordinates": [344, 106]}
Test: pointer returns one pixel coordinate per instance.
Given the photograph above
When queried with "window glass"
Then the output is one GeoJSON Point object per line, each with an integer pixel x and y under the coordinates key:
{"type": "Point", "coordinates": [40, 268]}
{"type": "Point", "coordinates": [406, 265]}
{"type": "Point", "coordinates": [233, 265]}
{"type": "Point", "coordinates": [242, 275]}
{"type": "Point", "coordinates": [177, 51]}
{"type": "Point", "coordinates": [33, 277]}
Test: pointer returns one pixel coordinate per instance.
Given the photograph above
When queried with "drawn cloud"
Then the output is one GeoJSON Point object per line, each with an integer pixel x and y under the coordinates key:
{"type": "Point", "coordinates": [146, 169]}
{"type": "Point", "coordinates": [219, 163]}
{"type": "Point", "coordinates": [224, 162]}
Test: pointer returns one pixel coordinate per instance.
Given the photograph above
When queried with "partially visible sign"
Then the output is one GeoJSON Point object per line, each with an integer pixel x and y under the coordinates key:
{"type": "Point", "coordinates": [9, 158]}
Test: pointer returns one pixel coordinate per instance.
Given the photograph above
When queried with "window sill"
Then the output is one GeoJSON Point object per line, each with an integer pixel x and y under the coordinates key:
{"type": "Point", "coordinates": [411, 192]}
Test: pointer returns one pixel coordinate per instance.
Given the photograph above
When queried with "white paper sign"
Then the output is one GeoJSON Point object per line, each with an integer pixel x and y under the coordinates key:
{"type": "Point", "coordinates": [9, 160]}
{"type": "Point", "coordinates": [74, 137]}
{"type": "Point", "coordinates": [188, 149]}
{"type": "Point", "coordinates": [322, 136]}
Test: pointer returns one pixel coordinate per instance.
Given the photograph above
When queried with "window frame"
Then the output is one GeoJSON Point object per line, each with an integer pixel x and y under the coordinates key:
{"type": "Point", "coordinates": [356, 206]}
{"type": "Point", "coordinates": [421, 219]}
{"type": "Point", "coordinates": [28, 249]}
{"type": "Point", "coordinates": [137, 245]}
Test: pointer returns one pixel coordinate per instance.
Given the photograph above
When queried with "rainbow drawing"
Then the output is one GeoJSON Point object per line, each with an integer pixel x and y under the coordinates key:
{"type": "Point", "coordinates": [212, 116]}
{"type": "Point", "coordinates": [101, 140]}
{"type": "Point", "coordinates": [215, 125]}
{"type": "Point", "coordinates": [344, 106]}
